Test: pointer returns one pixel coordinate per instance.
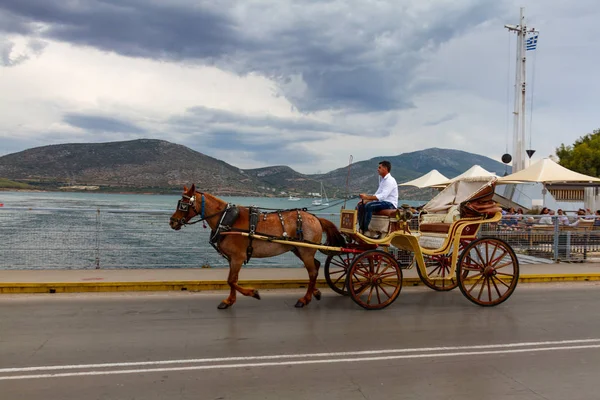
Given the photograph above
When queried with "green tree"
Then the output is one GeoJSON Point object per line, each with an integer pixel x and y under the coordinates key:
{"type": "Point", "coordinates": [583, 156]}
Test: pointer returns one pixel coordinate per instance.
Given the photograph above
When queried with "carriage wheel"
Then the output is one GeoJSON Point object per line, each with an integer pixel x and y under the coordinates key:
{"type": "Point", "coordinates": [488, 271]}
{"type": "Point", "coordinates": [374, 280]}
{"type": "Point", "coordinates": [336, 270]}
{"type": "Point", "coordinates": [438, 267]}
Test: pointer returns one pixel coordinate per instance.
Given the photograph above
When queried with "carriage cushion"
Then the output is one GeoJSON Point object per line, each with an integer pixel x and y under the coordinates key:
{"type": "Point", "coordinates": [391, 212]}
{"type": "Point", "coordinates": [432, 218]}
{"type": "Point", "coordinates": [435, 227]}
{"type": "Point", "coordinates": [453, 214]}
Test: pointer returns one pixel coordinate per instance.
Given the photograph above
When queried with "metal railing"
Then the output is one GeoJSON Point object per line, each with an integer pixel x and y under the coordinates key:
{"type": "Point", "coordinates": [96, 238]}
{"type": "Point", "coordinates": [111, 239]}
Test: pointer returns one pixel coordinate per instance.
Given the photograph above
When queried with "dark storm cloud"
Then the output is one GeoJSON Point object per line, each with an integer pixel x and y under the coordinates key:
{"type": "Point", "coordinates": [359, 56]}
{"type": "Point", "coordinates": [132, 28]}
{"type": "Point", "coordinates": [211, 116]}
{"type": "Point", "coordinates": [97, 123]}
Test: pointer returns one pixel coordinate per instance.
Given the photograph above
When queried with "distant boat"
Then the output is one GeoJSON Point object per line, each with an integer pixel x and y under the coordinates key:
{"type": "Point", "coordinates": [293, 198]}
{"type": "Point", "coordinates": [319, 202]}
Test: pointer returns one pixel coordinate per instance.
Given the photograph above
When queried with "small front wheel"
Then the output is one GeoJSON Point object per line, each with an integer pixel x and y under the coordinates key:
{"type": "Point", "coordinates": [487, 272]}
{"type": "Point", "coordinates": [438, 268]}
{"type": "Point", "coordinates": [374, 280]}
{"type": "Point", "coordinates": [336, 270]}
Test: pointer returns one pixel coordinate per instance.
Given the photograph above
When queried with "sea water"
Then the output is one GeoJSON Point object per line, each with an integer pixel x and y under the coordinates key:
{"type": "Point", "coordinates": [68, 230]}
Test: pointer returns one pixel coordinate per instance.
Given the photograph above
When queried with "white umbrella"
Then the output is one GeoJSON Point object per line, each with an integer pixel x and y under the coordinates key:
{"type": "Point", "coordinates": [431, 178]}
{"type": "Point", "coordinates": [547, 171]}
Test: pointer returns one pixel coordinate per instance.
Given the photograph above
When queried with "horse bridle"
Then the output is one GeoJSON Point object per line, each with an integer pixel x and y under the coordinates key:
{"type": "Point", "coordinates": [190, 201]}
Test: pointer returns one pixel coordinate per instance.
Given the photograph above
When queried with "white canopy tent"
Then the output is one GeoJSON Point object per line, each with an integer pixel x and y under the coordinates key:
{"type": "Point", "coordinates": [553, 176]}
{"type": "Point", "coordinates": [431, 178]}
{"type": "Point", "coordinates": [474, 172]}
{"type": "Point", "coordinates": [547, 171]}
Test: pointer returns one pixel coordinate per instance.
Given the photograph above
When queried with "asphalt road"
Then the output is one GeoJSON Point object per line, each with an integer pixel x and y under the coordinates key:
{"type": "Point", "coordinates": [543, 343]}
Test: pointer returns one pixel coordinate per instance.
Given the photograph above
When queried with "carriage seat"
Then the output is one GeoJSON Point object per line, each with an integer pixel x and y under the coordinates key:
{"type": "Point", "coordinates": [439, 222]}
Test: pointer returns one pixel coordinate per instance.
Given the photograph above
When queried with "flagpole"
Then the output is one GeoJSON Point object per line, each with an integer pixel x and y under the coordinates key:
{"type": "Point", "coordinates": [520, 92]}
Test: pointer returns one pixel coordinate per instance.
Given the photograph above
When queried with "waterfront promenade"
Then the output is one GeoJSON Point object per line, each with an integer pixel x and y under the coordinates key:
{"type": "Point", "coordinates": [200, 279]}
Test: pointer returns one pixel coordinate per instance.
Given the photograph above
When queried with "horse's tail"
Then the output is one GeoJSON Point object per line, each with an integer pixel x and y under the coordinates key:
{"type": "Point", "coordinates": [334, 236]}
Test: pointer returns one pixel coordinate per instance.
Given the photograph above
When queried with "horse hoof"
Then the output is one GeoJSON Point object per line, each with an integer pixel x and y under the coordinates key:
{"type": "Point", "coordinates": [317, 294]}
{"type": "Point", "coordinates": [299, 304]}
{"type": "Point", "coordinates": [223, 306]}
{"type": "Point", "coordinates": [255, 294]}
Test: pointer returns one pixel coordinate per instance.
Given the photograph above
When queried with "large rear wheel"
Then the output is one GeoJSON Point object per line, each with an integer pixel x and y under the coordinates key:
{"type": "Point", "coordinates": [487, 272]}
{"type": "Point", "coordinates": [374, 280]}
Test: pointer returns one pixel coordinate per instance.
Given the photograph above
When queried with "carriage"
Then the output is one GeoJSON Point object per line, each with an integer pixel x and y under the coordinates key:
{"type": "Point", "coordinates": [444, 250]}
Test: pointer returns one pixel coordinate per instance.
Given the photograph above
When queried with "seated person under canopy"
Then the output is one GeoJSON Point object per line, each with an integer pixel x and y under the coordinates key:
{"type": "Point", "coordinates": [385, 198]}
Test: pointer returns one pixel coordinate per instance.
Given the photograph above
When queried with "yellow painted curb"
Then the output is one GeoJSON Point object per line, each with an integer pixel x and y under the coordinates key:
{"type": "Point", "coordinates": [195, 286]}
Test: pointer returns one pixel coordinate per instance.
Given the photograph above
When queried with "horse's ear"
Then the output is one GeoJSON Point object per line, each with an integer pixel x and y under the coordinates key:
{"type": "Point", "coordinates": [185, 189]}
{"type": "Point", "coordinates": [193, 188]}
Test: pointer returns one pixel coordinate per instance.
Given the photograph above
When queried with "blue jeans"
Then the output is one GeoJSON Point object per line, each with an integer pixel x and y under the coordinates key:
{"type": "Point", "coordinates": [365, 212]}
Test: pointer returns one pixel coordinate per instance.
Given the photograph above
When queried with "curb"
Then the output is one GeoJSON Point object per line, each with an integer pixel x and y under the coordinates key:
{"type": "Point", "coordinates": [198, 286]}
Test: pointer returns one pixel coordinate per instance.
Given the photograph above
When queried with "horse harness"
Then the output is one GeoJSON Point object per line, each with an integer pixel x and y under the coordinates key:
{"type": "Point", "coordinates": [230, 215]}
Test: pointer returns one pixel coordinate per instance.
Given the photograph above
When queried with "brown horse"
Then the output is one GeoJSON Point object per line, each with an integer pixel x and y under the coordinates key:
{"type": "Point", "coordinates": [235, 246]}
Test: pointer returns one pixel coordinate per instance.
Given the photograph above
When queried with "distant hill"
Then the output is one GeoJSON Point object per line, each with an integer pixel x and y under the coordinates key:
{"type": "Point", "coordinates": [408, 166]}
{"type": "Point", "coordinates": [148, 165]}
{"type": "Point", "coordinates": [137, 165]}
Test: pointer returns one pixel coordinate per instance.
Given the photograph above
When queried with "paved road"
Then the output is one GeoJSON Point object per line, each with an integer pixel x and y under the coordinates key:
{"type": "Point", "coordinates": [543, 343]}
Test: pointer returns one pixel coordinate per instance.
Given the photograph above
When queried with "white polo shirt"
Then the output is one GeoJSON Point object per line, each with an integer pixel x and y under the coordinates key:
{"type": "Point", "coordinates": [388, 190]}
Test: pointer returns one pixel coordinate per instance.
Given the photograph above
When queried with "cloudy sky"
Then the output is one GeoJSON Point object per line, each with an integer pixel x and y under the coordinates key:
{"type": "Point", "coordinates": [302, 83]}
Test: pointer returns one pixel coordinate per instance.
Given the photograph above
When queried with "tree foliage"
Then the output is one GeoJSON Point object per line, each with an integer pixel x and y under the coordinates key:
{"type": "Point", "coordinates": [583, 156]}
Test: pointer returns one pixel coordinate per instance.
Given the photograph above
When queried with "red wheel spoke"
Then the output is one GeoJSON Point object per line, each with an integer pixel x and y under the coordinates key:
{"type": "Point", "coordinates": [378, 296]}
{"type": "Point", "coordinates": [475, 284]}
{"type": "Point", "coordinates": [362, 289]}
{"type": "Point", "coordinates": [482, 287]}
{"type": "Point", "coordinates": [341, 278]}
{"type": "Point", "coordinates": [495, 261]}
{"type": "Point", "coordinates": [384, 291]}
{"type": "Point", "coordinates": [365, 275]}
{"type": "Point", "coordinates": [370, 295]}
{"type": "Point", "coordinates": [496, 286]}
{"type": "Point", "coordinates": [502, 282]}
{"type": "Point", "coordinates": [480, 256]}
{"type": "Point", "coordinates": [510, 262]}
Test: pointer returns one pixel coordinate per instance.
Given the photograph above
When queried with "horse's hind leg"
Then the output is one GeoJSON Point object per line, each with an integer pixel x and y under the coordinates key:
{"type": "Point", "coordinates": [312, 266]}
{"type": "Point", "coordinates": [234, 270]}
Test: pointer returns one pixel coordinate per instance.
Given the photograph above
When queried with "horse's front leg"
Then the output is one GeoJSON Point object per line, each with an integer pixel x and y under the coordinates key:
{"type": "Point", "coordinates": [234, 270]}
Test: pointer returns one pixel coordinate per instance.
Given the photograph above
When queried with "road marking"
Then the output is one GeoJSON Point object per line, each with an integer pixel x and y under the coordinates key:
{"type": "Point", "coordinates": [508, 348]}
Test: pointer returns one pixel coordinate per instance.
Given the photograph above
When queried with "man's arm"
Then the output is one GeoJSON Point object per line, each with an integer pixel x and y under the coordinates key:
{"type": "Point", "coordinates": [368, 197]}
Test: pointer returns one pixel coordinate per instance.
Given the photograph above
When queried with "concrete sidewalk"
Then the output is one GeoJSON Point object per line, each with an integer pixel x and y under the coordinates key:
{"type": "Point", "coordinates": [99, 280]}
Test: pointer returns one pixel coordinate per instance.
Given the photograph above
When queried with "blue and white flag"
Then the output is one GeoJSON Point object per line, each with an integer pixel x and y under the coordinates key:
{"type": "Point", "coordinates": [531, 42]}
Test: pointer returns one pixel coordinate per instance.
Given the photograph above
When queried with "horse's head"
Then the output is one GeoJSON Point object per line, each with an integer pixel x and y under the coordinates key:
{"type": "Point", "coordinates": [186, 208]}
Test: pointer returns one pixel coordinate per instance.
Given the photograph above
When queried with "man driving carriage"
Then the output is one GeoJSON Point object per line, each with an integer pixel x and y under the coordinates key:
{"type": "Point", "coordinates": [386, 196]}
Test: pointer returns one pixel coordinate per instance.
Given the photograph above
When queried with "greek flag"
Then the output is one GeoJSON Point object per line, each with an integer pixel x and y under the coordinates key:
{"type": "Point", "coordinates": [531, 42]}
